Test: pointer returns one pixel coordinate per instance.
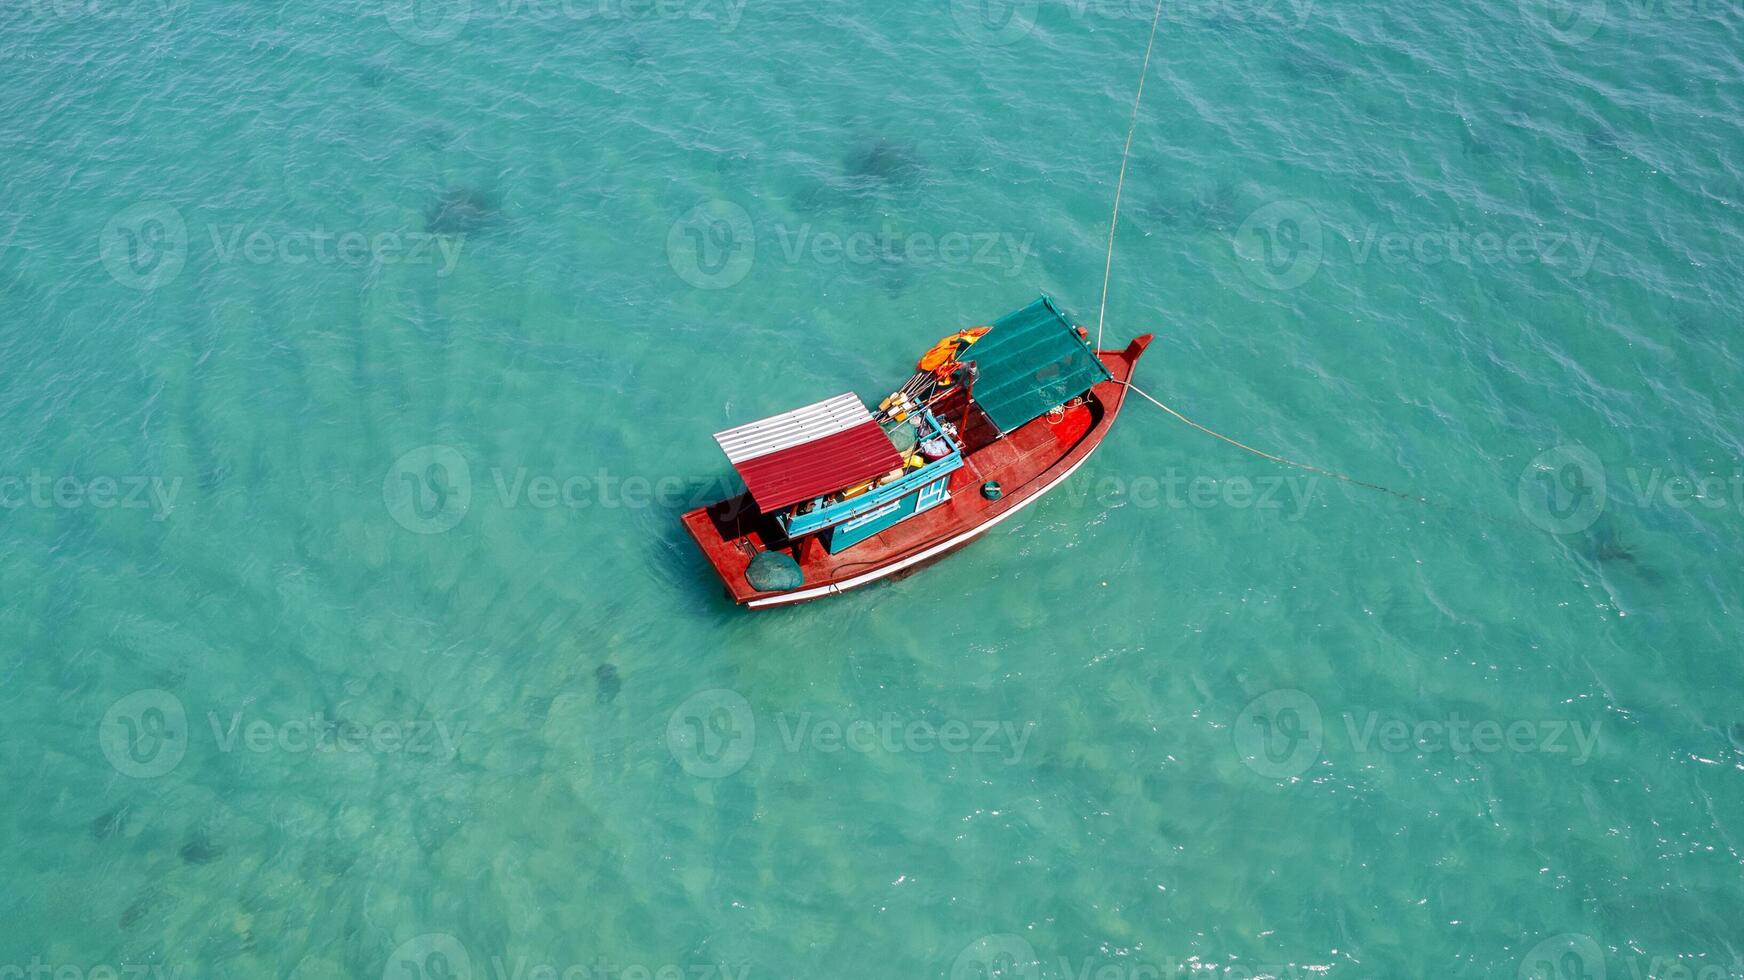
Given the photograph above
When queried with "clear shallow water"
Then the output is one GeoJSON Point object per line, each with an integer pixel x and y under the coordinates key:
{"type": "Point", "coordinates": [344, 301]}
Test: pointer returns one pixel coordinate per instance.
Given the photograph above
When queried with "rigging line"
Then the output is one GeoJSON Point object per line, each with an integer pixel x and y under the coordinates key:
{"type": "Point", "coordinates": [1276, 459]}
{"type": "Point", "coordinates": [1114, 222]}
{"type": "Point", "coordinates": [1402, 495]}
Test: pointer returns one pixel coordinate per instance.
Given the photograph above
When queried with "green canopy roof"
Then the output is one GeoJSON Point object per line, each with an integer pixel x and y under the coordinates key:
{"type": "Point", "coordinates": [1031, 361]}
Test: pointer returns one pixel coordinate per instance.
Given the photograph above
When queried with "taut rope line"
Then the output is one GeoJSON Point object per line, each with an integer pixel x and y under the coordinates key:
{"type": "Point", "coordinates": [1114, 222]}
{"type": "Point", "coordinates": [1277, 459]}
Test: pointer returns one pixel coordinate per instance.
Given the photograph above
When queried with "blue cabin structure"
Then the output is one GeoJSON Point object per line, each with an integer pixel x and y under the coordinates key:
{"type": "Point", "coordinates": [843, 523]}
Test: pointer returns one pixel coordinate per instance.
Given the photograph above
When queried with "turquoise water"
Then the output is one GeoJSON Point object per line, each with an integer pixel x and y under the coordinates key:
{"type": "Point", "coordinates": [359, 360]}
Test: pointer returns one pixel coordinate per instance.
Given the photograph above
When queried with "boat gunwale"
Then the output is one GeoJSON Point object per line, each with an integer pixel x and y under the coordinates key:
{"type": "Point", "coordinates": [1110, 396]}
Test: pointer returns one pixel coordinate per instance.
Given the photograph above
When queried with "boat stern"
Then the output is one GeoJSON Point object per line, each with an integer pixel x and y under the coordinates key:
{"type": "Point", "coordinates": [728, 536]}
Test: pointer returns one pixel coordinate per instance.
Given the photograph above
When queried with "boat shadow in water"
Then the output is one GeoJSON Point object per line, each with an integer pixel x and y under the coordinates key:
{"type": "Point", "coordinates": [1605, 547]}
{"type": "Point", "coordinates": [870, 174]}
{"type": "Point", "coordinates": [883, 166]}
{"type": "Point", "coordinates": [1213, 210]}
{"type": "Point", "coordinates": [463, 210]}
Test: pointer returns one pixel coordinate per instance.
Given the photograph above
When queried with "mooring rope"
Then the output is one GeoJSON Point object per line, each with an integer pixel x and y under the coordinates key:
{"type": "Point", "coordinates": [1114, 222]}
{"type": "Point", "coordinates": [1278, 459]}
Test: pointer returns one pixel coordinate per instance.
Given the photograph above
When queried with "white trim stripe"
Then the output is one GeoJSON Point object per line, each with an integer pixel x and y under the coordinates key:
{"type": "Point", "coordinates": [874, 576]}
{"type": "Point", "coordinates": [795, 428]}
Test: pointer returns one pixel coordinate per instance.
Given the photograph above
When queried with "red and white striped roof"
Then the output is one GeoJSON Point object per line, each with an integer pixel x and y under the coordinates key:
{"type": "Point", "coordinates": [810, 451]}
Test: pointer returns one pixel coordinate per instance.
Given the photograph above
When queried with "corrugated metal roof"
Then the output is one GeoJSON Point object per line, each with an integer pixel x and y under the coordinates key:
{"type": "Point", "coordinates": [808, 452]}
{"type": "Point", "coordinates": [789, 429]}
{"type": "Point", "coordinates": [1031, 361]}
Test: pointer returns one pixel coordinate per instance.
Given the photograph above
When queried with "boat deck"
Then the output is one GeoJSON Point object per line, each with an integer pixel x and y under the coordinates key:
{"type": "Point", "coordinates": [1026, 463]}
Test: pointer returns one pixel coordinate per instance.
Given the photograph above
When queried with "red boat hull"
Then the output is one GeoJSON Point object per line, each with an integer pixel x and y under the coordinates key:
{"type": "Point", "coordinates": [1026, 463]}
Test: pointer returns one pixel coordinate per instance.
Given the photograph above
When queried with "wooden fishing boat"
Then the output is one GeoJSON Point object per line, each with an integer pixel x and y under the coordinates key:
{"type": "Point", "coordinates": [839, 496]}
